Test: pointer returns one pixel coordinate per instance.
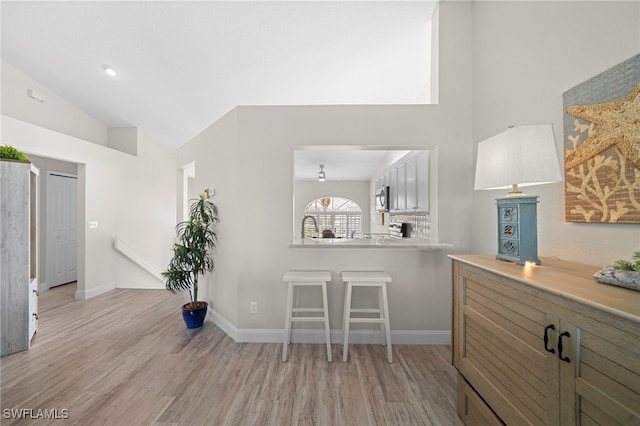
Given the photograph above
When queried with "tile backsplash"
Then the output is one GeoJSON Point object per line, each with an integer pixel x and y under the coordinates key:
{"type": "Point", "coordinates": [419, 226]}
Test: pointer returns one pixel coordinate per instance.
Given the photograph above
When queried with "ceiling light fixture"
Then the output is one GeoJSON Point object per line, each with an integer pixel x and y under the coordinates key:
{"type": "Point", "coordinates": [110, 71]}
{"type": "Point", "coordinates": [321, 176]}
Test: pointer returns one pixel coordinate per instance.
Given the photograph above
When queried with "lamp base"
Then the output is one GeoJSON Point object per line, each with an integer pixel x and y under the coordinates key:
{"type": "Point", "coordinates": [518, 229]}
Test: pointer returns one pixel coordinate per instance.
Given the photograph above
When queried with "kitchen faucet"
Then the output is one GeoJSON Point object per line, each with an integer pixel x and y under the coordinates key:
{"type": "Point", "coordinates": [304, 219]}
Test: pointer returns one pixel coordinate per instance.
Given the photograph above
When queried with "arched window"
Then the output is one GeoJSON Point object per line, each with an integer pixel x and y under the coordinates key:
{"type": "Point", "coordinates": [341, 216]}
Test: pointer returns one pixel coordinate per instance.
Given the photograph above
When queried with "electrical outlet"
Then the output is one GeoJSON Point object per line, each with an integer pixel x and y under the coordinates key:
{"type": "Point", "coordinates": [254, 307]}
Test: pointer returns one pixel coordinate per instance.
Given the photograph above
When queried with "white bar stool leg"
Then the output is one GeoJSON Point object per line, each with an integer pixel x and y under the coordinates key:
{"type": "Point", "coordinates": [347, 312]}
{"type": "Point", "coordinates": [287, 322]}
{"type": "Point", "coordinates": [382, 315]}
{"type": "Point", "coordinates": [386, 322]}
{"type": "Point", "coordinates": [370, 279]}
{"type": "Point", "coordinates": [327, 330]}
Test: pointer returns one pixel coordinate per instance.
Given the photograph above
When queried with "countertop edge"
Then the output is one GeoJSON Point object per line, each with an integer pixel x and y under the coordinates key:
{"type": "Point", "coordinates": [372, 245]}
{"type": "Point", "coordinates": [480, 261]}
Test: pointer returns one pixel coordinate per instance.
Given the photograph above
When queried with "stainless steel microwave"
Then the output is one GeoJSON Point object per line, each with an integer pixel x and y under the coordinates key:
{"type": "Point", "coordinates": [383, 198]}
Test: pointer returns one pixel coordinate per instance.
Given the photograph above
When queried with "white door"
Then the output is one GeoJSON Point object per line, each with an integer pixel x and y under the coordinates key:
{"type": "Point", "coordinates": [62, 228]}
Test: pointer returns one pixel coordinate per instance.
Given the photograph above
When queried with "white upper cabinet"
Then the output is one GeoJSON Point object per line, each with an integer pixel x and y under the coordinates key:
{"type": "Point", "coordinates": [393, 183]}
{"type": "Point", "coordinates": [411, 183]}
{"type": "Point", "coordinates": [402, 186]}
{"type": "Point", "coordinates": [408, 179]}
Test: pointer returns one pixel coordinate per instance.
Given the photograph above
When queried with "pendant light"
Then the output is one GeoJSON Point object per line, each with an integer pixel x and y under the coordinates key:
{"type": "Point", "coordinates": [321, 176]}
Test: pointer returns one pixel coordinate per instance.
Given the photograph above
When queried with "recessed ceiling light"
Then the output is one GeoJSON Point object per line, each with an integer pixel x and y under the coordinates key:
{"type": "Point", "coordinates": [110, 71]}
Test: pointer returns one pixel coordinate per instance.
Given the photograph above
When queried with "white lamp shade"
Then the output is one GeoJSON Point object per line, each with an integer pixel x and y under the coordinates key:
{"type": "Point", "coordinates": [522, 155]}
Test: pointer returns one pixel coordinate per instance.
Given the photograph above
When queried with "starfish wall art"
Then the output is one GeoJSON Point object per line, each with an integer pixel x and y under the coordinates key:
{"type": "Point", "coordinates": [602, 147]}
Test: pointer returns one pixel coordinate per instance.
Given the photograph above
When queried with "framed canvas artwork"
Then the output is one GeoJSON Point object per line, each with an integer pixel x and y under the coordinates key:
{"type": "Point", "coordinates": [602, 147]}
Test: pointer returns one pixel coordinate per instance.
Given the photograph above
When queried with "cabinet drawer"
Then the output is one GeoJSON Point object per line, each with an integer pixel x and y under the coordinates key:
{"type": "Point", "coordinates": [471, 408]}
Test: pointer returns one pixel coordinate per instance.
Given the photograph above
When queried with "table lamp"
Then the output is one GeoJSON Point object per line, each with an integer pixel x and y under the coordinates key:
{"type": "Point", "coordinates": [518, 157]}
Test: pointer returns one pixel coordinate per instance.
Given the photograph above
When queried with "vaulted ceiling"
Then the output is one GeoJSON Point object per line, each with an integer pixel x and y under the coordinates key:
{"type": "Point", "coordinates": [181, 65]}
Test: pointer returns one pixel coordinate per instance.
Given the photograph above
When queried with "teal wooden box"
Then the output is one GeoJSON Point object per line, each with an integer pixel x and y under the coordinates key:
{"type": "Point", "coordinates": [518, 229]}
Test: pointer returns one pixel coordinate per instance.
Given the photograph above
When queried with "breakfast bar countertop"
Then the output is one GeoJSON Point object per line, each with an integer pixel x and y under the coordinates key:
{"type": "Point", "coordinates": [373, 243]}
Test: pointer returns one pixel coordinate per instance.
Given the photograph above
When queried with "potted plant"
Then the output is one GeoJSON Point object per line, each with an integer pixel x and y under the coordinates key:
{"type": "Point", "coordinates": [623, 273]}
{"type": "Point", "coordinates": [10, 153]}
{"type": "Point", "coordinates": [192, 258]}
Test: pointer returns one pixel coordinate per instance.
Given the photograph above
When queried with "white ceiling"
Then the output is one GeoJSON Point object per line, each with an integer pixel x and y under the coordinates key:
{"type": "Point", "coordinates": [183, 65]}
{"type": "Point", "coordinates": [339, 164]}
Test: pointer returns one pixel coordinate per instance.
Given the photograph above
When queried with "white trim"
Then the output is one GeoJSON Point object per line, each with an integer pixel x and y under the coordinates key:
{"type": "Point", "coordinates": [398, 337]}
{"type": "Point", "coordinates": [136, 257]}
{"type": "Point", "coordinates": [48, 228]}
{"type": "Point", "coordinates": [93, 292]}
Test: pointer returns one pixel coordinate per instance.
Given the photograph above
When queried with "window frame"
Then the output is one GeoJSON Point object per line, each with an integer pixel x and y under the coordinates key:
{"type": "Point", "coordinates": [340, 222]}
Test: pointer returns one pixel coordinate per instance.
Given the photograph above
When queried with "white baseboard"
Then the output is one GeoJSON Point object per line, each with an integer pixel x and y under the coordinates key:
{"type": "Point", "coordinates": [43, 286]}
{"type": "Point", "coordinates": [398, 337]}
{"type": "Point", "coordinates": [93, 292]}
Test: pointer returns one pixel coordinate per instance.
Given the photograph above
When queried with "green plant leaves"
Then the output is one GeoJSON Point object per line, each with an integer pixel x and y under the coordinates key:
{"type": "Point", "coordinates": [191, 255]}
{"type": "Point", "coordinates": [625, 265]}
{"type": "Point", "coordinates": [11, 153]}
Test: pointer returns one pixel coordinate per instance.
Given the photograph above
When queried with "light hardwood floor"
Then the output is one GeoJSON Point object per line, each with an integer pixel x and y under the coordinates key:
{"type": "Point", "coordinates": [126, 358]}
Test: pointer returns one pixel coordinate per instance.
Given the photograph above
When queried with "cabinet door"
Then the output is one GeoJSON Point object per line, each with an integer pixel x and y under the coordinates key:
{"type": "Point", "coordinates": [15, 255]}
{"type": "Point", "coordinates": [412, 183]}
{"type": "Point", "coordinates": [402, 186]}
{"type": "Point", "coordinates": [422, 180]}
{"type": "Point", "coordinates": [33, 308]}
{"type": "Point", "coordinates": [499, 347]}
{"type": "Point", "coordinates": [393, 184]}
{"type": "Point", "coordinates": [601, 377]}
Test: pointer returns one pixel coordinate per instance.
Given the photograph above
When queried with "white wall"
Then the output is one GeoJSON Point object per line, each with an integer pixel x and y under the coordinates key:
{"type": "Point", "coordinates": [146, 211]}
{"type": "Point", "coordinates": [132, 197]}
{"type": "Point", "coordinates": [525, 55]}
{"type": "Point", "coordinates": [54, 114]}
{"type": "Point", "coordinates": [249, 159]}
{"type": "Point", "coordinates": [215, 154]}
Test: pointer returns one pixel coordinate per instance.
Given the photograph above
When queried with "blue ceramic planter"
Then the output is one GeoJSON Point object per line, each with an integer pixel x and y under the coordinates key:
{"type": "Point", "coordinates": [194, 318]}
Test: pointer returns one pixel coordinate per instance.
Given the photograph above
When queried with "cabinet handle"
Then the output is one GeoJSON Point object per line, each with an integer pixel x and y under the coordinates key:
{"type": "Point", "coordinates": [35, 315]}
{"type": "Point", "coordinates": [546, 338]}
{"type": "Point", "coordinates": [36, 292]}
{"type": "Point", "coordinates": [562, 358]}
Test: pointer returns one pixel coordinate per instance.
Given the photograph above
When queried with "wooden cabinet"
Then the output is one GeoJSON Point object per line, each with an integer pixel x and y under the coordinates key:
{"type": "Point", "coordinates": [18, 220]}
{"type": "Point", "coordinates": [544, 344]}
{"type": "Point", "coordinates": [34, 214]}
{"type": "Point", "coordinates": [472, 409]}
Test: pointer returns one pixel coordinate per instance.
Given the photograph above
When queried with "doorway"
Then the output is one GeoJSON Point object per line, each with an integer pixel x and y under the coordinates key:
{"type": "Point", "coordinates": [188, 185]}
{"type": "Point", "coordinates": [62, 228]}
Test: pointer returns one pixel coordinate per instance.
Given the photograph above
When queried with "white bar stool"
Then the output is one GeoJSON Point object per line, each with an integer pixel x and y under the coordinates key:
{"type": "Point", "coordinates": [367, 279]}
{"type": "Point", "coordinates": [305, 279]}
